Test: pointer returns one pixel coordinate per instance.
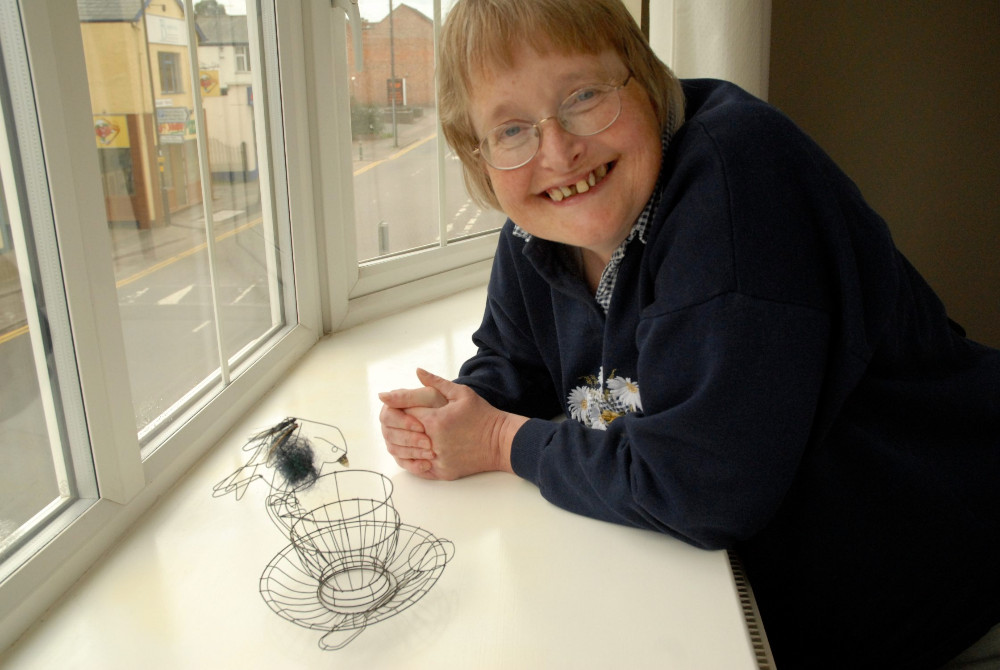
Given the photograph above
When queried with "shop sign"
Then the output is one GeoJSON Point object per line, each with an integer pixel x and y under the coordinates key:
{"type": "Point", "coordinates": [172, 115]}
{"type": "Point", "coordinates": [165, 30]}
{"type": "Point", "coordinates": [111, 131]}
{"type": "Point", "coordinates": [173, 132]}
{"type": "Point", "coordinates": [209, 83]}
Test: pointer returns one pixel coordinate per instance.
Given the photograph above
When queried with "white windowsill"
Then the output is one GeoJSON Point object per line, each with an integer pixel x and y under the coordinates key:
{"type": "Point", "coordinates": [529, 585]}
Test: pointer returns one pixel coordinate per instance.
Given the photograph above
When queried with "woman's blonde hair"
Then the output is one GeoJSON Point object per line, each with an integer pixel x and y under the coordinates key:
{"type": "Point", "coordinates": [480, 36]}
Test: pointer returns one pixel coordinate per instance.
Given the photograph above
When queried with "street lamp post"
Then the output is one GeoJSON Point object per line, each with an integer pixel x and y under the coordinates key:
{"type": "Point", "coordinates": [392, 77]}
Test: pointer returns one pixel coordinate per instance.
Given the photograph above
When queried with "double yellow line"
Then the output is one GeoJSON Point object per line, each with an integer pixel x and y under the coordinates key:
{"type": "Point", "coordinates": [17, 332]}
{"type": "Point", "coordinates": [184, 254]}
{"type": "Point", "coordinates": [395, 155]}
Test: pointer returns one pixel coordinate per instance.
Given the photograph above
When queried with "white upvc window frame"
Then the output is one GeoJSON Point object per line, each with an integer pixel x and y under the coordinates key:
{"type": "Point", "coordinates": [353, 292]}
{"type": "Point", "coordinates": [129, 479]}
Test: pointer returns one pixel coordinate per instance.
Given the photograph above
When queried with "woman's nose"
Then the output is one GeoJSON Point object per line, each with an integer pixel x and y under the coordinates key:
{"type": "Point", "coordinates": [558, 149]}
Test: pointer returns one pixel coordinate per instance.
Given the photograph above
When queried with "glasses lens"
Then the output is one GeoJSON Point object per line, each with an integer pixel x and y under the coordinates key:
{"type": "Point", "coordinates": [590, 110]}
{"type": "Point", "coordinates": [587, 111]}
{"type": "Point", "coordinates": [510, 145]}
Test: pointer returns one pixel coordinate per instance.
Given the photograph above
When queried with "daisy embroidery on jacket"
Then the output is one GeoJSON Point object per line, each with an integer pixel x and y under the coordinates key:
{"type": "Point", "coordinates": [597, 403]}
{"type": "Point", "coordinates": [625, 392]}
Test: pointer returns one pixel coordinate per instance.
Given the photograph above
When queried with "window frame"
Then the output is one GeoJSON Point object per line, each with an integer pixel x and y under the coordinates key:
{"type": "Point", "coordinates": [241, 58]}
{"type": "Point", "coordinates": [353, 292]}
{"type": "Point", "coordinates": [129, 480]}
{"type": "Point", "coordinates": [170, 62]}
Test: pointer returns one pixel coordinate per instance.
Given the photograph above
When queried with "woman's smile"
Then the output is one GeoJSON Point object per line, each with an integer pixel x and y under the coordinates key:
{"type": "Point", "coordinates": [584, 191]}
{"type": "Point", "coordinates": [571, 190]}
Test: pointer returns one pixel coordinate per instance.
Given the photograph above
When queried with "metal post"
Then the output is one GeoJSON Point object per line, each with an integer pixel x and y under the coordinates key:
{"type": "Point", "coordinates": [392, 76]}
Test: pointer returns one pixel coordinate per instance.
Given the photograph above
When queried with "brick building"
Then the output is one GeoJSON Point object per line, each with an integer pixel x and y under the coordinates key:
{"type": "Point", "coordinates": [412, 49]}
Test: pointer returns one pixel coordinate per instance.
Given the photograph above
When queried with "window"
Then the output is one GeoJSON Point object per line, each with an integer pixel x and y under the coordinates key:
{"type": "Point", "coordinates": [242, 55]}
{"type": "Point", "coordinates": [408, 195]}
{"type": "Point", "coordinates": [147, 287]}
{"type": "Point", "coordinates": [197, 253]}
{"type": "Point", "coordinates": [153, 283]}
{"type": "Point", "coordinates": [170, 72]}
{"type": "Point", "coordinates": [43, 457]}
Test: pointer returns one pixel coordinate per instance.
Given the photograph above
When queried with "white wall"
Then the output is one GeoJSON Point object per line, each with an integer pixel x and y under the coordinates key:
{"type": "Point", "coordinates": [725, 39]}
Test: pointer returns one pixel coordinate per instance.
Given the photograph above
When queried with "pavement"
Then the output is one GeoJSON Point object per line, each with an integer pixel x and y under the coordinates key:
{"type": "Point", "coordinates": [368, 151]}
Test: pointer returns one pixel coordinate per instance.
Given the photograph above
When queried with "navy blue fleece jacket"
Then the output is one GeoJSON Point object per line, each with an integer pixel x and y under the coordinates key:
{"type": "Point", "coordinates": [787, 386]}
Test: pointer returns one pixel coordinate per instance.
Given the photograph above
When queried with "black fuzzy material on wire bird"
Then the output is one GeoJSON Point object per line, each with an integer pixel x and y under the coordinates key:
{"type": "Point", "coordinates": [292, 455]}
{"type": "Point", "coordinates": [293, 459]}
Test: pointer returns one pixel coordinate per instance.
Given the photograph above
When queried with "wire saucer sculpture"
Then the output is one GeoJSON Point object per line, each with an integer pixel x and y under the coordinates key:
{"type": "Point", "coordinates": [350, 561]}
{"type": "Point", "coordinates": [349, 597]}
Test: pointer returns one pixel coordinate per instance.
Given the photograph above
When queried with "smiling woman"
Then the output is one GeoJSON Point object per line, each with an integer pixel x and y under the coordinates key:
{"type": "Point", "coordinates": [739, 345]}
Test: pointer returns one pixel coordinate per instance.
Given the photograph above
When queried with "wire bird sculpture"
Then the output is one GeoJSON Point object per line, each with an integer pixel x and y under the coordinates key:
{"type": "Point", "coordinates": [293, 459]}
{"type": "Point", "coordinates": [351, 562]}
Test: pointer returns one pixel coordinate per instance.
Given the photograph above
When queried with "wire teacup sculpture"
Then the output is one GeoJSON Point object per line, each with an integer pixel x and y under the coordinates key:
{"type": "Point", "coordinates": [350, 562]}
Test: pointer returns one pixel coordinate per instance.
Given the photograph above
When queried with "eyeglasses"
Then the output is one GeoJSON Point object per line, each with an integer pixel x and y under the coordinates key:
{"type": "Point", "coordinates": [587, 111]}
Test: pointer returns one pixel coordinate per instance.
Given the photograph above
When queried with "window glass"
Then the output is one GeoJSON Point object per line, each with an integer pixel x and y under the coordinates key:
{"type": "Point", "coordinates": [242, 56]}
{"type": "Point", "coordinates": [408, 190]}
{"type": "Point", "coordinates": [40, 475]}
{"type": "Point", "coordinates": [178, 114]}
{"type": "Point", "coordinates": [170, 72]}
{"type": "Point", "coordinates": [30, 474]}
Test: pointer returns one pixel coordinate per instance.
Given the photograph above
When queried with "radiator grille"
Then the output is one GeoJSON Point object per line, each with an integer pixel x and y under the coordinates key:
{"type": "Point", "coordinates": [755, 630]}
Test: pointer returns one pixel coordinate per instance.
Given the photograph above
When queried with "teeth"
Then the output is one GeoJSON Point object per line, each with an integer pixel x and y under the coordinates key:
{"type": "Point", "coordinates": [562, 192]}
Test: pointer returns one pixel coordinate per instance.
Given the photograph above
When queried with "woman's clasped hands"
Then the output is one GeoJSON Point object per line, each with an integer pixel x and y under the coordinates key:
{"type": "Point", "coordinates": [443, 430]}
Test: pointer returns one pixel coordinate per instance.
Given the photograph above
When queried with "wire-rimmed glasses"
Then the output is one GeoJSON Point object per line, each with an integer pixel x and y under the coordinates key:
{"type": "Point", "coordinates": [585, 112]}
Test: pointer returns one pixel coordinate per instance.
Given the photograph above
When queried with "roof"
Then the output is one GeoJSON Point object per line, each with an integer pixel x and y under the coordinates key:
{"type": "Point", "coordinates": [211, 29]}
{"type": "Point", "coordinates": [110, 10]}
{"type": "Point", "coordinates": [416, 11]}
{"type": "Point", "coordinates": [226, 29]}
{"type": "Point", "coordinates": [404, 8]}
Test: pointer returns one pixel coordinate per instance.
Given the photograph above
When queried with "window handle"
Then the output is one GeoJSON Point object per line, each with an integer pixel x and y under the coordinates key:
{"type": "Point", "coordinates": [351, 7]}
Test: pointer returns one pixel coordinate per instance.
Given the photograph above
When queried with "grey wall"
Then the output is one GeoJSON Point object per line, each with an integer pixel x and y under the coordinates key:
{"type": "Point", "coordinates": [905, 95]}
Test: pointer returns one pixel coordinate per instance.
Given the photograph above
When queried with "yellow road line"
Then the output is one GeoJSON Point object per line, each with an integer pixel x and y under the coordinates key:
{"type": "Point", "coordinates": [395, 155]}
{"type": "Point", "coordinates": [17, 332]}
{"type": "Point", "coordinates": [184, 254]}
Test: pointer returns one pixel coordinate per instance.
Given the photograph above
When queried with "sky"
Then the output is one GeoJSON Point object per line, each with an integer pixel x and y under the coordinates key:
{"type": "Point", "coordinates": [373, 10]}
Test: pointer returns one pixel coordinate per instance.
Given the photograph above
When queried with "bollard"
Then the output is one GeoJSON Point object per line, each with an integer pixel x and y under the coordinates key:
{"type": "Point", "coordinates": [383, 238]}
